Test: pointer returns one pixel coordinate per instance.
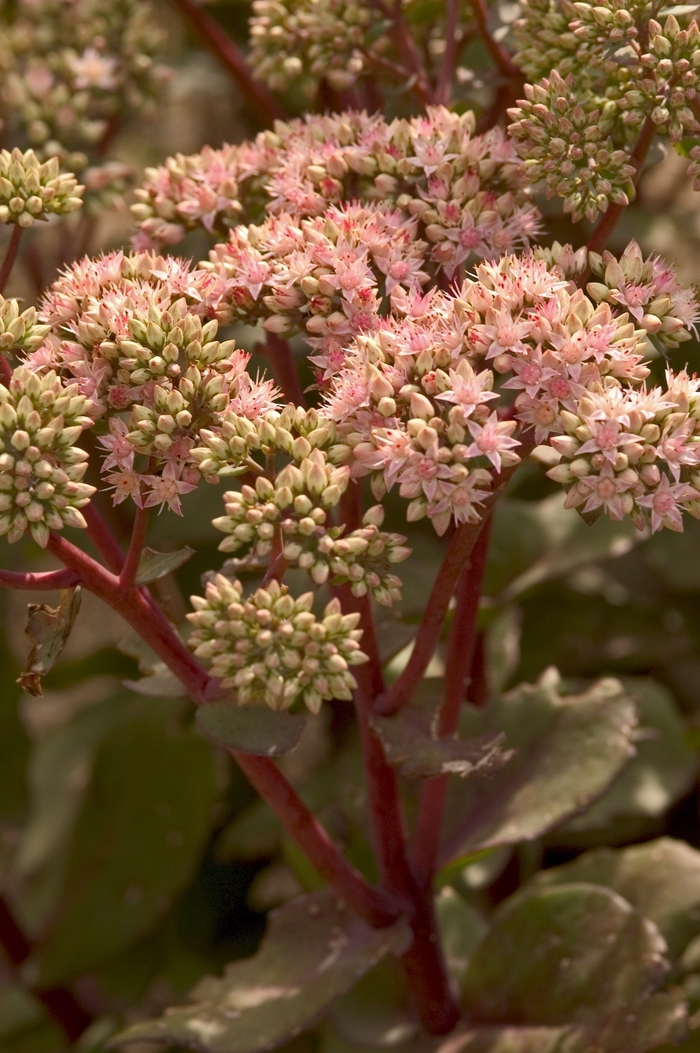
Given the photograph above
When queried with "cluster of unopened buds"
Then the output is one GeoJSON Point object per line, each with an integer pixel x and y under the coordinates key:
{"type": "Point", "coordinates": [566, 143]}
{"type": "Point", "coordinates": [270, 648]}
{"type": "Point", "coordinates": [598, 74]}
{"type": "Point", "coordinates": [30, 190]}
{"type": "Point", "coordinates": [20, 331]}
{"type": "Point", "coordinates": [41, 467]}
{"type": "Point", "coordinates": [312, 39]}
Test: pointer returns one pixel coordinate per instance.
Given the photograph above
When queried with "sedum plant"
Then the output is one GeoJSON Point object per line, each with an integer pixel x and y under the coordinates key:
{"type": "Point", "coordinates": [339, 342]}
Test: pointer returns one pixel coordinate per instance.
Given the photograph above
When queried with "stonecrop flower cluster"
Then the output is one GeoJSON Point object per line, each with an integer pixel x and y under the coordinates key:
{"type": "Point", "coordinates": [400, 259]}
{"type": "Point", "coordinates": [41, 467]}
{"type": "Point", "coordinates": [463, 187]}
{"type": "Point", "coordinates": [271, 648]}
{"type": "Point", "coordinates": [603, 79]}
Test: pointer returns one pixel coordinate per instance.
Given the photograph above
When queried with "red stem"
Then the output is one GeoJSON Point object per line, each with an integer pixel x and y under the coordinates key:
{"type": "Point", "coordinates": [406, 48]}
{"type": "Point", "coordinates": [460, 654]}
{"type": "Point", "coordinates": [10, 255]}
{"type": "Point", "coordinates": [443, 90]}
{"type": "Point", "coordinates": [220, 44]}
{"type": "Point", "coordinates": [50, 579]}
{"type": "Point", "coordinates": [60, 1003]}
{"type": "Point", "coordinates": [499, 54]}
{"type": "Point", "coordinates": [423, 963]}
{"type": "Point", "coordinates": [458, 552]}
{"type": "Point", "coordinates": [599, 238]}
{"type": "Point", "coordinates": [284, 368]}
{"type": "Point", "coordinates": [376, 905]}
{"type": "Point", "coordinates": [103, 539]}
{"type": "Point", "coordinates": [130, 568]}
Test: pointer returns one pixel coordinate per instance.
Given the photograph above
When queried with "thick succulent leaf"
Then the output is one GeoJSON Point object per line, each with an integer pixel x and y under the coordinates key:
{"type": "Point", "coordinates": [157, 681]}
{"type": "Point", "coordinates": [461, 927]}
{"type": "Point", "coordinates": [662, 771]}
{"type": "Point", "coordinates": [154, 565]}
{"type": "Point", "coordinates": [568, 749]}
{"type": "Point", "coordinates": [135, 845]}
{"type": "Point", "coordinates": [412, 745]}
{"type": "Point", "coordinates": [505, 1040]}
{"type": "Point", "coordinates": [315, 949]}
{"type": "Point", "coordinates": [251, 729]}
{"type": "Point", "coordinates": [661, 879]}
{"type": "Point", "coordinates": [535, 541]}
{"type": "Point", "coordinates": [58, 775]}
{"type": "Point", "coordinates": [576, 956]}
{"type": "Point", "coordinates": [48, 628]}
{"type": "Point", "coordinates": [376, 1012]}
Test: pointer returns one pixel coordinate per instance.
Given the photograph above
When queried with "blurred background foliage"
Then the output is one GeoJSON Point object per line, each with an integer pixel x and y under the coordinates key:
{"type": "Point", "coordinates": [136, 858]}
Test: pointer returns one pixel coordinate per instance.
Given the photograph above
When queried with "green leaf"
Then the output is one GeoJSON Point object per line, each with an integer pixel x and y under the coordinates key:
{"type": "Point", "coordinates": [48, 628]}
{"type": "Point", "coordinates": [461, 928]}
{"type": "Point", "coordinates": [158, 681]}
{"type": "Point", "coordinates": [663, 770]}
{"type": "Point", "coordinates": [59, 775]}
{"type": "Point", "coordinates": [411, 744]}
{"type": "Point", "coordinates": [136, 843]}
{"type": "Point", "coordinates": [18, 1009]}
{"type": "Point", "coordinates": [661, 879]}
{"type": "Point", "coordinates": [575, 956]}
{"type": "Point", "coordinates": [376, 1012]}
{"type": "Point", "coordinates": [315, 949]}
{"type": "Point", "coordinates": [251, 729]}
{"type": "Point", "coordinates": [154, 565]}
{"type": "Point", "coordinates": [506, 1040]}
{"type": "Point", "coordinates": [535, 541]}
{"type": "Point", "coordinates": [568, 750]}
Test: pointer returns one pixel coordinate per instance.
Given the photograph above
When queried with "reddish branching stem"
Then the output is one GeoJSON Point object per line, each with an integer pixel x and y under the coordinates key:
{"type": "Point", "coordinates": [458, 552]}
{"type": "Point", "coordinates": [423, 963]}
{"type": "Point", "coordinates": [266, 106]}
{"type": "Point", "coordinates": [103, 539]}
{"type": "Point", "coordinates": [37, 581]}
{"type": "Point", "coordinates": [378, 906]}
{"type": "Point", "coordinates": [449, 59]}
{"type": "Point", "coordinates": [460, 655]}
{"type": "Point", "coordinates": [60, 1003]}
{"type": "Point", "coordinates": [500, 56]}
{"type": "Point", "coordinates": [10, 256]}
{"type": "Point", "coordinates": [129, 571]}
{"type": "Point", "coordinates": [407, 51]}
{"type": "Point", "coordinates": [284, 368]}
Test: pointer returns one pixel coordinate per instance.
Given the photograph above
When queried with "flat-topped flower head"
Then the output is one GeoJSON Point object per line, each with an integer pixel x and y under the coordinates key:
{"type": "Point", "coordinates": [135, 334]}
{"type": "Point", "coordinates": [462, 187]}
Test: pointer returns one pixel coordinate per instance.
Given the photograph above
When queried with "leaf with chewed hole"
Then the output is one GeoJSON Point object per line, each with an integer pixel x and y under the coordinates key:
{"type": "Point", "coordinates": [314, 951]}
{"type": "Point", "coordinates": [251, 729]}
{"type": "Point", "coordinates": [413, 746]}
